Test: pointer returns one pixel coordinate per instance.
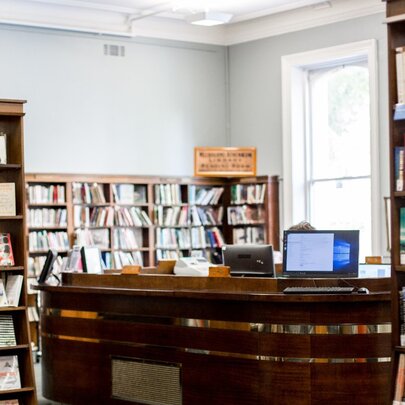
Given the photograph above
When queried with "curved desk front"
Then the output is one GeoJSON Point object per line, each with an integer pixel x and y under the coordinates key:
{"type": "Point", "coordinates": [171, 340]}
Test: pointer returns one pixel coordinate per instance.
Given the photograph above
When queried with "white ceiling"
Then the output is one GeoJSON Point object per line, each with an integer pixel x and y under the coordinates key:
{"type": "Point", "coordinates": [252, 19]}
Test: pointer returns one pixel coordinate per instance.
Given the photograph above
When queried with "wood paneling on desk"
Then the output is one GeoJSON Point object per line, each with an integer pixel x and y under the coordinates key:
{"type": "Point", "coordinates": [234, 341]}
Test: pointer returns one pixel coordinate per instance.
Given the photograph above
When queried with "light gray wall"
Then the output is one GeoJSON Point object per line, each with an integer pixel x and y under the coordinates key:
{"type": "Point", "coordinates": [255, 96]}
{"type": "Point", "coordinates": [91, 113]}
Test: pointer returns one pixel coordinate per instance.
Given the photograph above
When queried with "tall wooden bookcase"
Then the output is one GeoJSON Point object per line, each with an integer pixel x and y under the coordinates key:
{"type": "Point", "coordinates": [11, 123]}
{"type": "Point", "coordinates": [396, 38]}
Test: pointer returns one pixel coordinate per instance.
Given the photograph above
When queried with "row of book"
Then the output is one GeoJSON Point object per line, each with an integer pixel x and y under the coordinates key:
{"type": "Point", "coordinates": [168, 194]}
{"type": "Point", "coordinates": [399, 158]}
{"type": "Point", "coordinates": [42, 241]}
{"type": "Point", "coordinates": [168, 254]}
{"type": "Point", "coordinates": [402, 235]}
{"type": "Point", "coordinates": [110, 216]}
{"type": "Point", "coordinates": [47, 217]}
{"type": "Point", "coordinates": [194, 238]}
{"type": "Point", "coordinates": [119, 259]}
{"type": "Point", "coordinates": [88, 193]}
{"type": "Point", "coordinates": [52, 194]}
{"type": "Point", "coordinates": [10, 290]}
{"type": "Point", "coordinates": [203, 195]}
{"type": "Point", "coordinates": [399, 113]}
{"type": "Point", "coordinates": [36, 263]}
{"type": "Point", "coordinates": [402, 315]}
{"type": "Point", "coordinates": [127, 238]}
{"type": "Point", "coordinates": [245, 214]}
{"type": "Point", "coordinates": [93, 237]}
{"type": "Point", "coordinates": [248, 235]}
{"type": "Point", "coordinates": [248, 193]}
{"type": "Point", "coordinates": [129, 193]}
{"type": "Point", "coordinates": [188, 216]}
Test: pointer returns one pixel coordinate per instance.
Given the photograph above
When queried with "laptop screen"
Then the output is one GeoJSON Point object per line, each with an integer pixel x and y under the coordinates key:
{"type": "Point", "coordinates": [249, 260]}
{"type": "Point", "coordinates": [321, 253]}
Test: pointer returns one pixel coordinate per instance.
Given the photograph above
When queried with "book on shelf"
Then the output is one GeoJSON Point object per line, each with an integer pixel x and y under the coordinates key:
{"type": "Point", "coordinates": [42, 217]}
{"type": "Point", "coordinates": [7, 332]}
{"type": "Point", "coordinates": [248, 235]}
{"type": "Point", "coordinates": [52, 194]}
{"type": "Point", "coordinates": [127, 238]}
{"type": "Point", "coordinates": [400, 381]}
{"type": "Point", "coordinates": [198, 195]}
{"type": "Point", "coordinates": [39, 241]}
{"type": "Point", "coordinates": [85, 193]}
{"type": "Point", "coordinates": [248, 194]}
{"type": "Point", "coordinates": [3, 295]}
{"type": "Point", "coordinates": [400, 68]}
{"type": "Point", "coordinates": [93, 216]}
{"type": "Point", "coordinates": [399, 158]}
{"type": "Point", "coordinates": [168, 194]}
{"type": "Point", "coordinates": [6, 250]}
{"type": "Point", "coordinates": [3, 148]}
{"type": "Point", "coordinates": [245, 214]}
{"type": "Point", "coordinates": [33, 315]}
{"type": "Point", "coordinates": [13, 289]}
{"type": "Point", "coordinates": [7, 200]}
{"type": "Point", "coordinates": [402, 234]}
{"type": "Point", "coordinates": [36, 263]}
{"type": "Point", "coordinates": [9, 373]}
{"type": "Point", "coordinates": [121, 259]}
{"type": "Point", "coordinates": [168, 254]}
{"type": "Point", "coordinates": [93, 237]}
{"type": "Point", "coordinates": [133, 216]}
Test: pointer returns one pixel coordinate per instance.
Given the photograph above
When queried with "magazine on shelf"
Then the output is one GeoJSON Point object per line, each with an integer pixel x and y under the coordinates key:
{"type": "Point", "coordinates": [9, 373]}
{"type": "Point", "coordinates": [13, 289]}
{"type": "Point", "coordinates": [6, 250]}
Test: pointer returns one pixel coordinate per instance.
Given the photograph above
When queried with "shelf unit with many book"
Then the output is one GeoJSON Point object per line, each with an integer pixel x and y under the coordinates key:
{"type": "Point", "coordinates": [396, 79]}
{"type": "Point", "coordinates": [144, 218]}
{"type": "Point", "coordinates": [15, 351]}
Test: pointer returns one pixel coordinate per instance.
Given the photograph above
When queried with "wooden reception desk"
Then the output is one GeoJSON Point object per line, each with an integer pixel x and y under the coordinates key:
{"type": "Point", "coordinates": [124, 339]}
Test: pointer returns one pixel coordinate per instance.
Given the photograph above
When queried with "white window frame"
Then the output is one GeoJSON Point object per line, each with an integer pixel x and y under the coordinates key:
{"type": "Point", "coordinates": [294, 68]}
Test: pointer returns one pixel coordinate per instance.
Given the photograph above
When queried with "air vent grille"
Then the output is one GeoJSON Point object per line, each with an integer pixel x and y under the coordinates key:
{"type": "Point", "coordinates": [114, 50]}
{"type": "Point", "coordinates": [145, 382]}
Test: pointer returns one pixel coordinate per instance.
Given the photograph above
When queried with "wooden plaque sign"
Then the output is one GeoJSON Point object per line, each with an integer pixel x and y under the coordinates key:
{"type": "Point", "coordinates": [224, 162]}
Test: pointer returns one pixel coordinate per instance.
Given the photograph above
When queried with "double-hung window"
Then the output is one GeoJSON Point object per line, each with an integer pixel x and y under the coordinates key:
{"type": "Point", "coordinates": [329, 171]}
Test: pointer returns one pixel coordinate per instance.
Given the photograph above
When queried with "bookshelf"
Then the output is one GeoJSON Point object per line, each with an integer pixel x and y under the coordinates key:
{"type": "Point", "coordinates": [11, 123]}
{"type": "Point", "coordinates": [149, 217]}
{"type": "Point", "coordinates": [396, 39]}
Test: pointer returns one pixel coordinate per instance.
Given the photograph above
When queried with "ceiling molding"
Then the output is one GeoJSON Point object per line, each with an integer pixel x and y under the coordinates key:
{"type": "Point", "coordinates": [115, 21]}
{"type": "Point", "coordinates": [301, 19]}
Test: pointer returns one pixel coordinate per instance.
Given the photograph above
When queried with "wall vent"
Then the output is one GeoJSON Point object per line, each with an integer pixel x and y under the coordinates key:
{"type": "Point", "coordinates": [114, 50]}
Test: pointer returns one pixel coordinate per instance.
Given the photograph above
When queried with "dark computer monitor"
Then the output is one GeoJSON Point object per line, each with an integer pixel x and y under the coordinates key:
{"type": "Point", "coordinates": [249, 260]}
{"type": "Point", "coordinates": [48, 266]}
{"type": "Point", "coordinates": [321, 253]}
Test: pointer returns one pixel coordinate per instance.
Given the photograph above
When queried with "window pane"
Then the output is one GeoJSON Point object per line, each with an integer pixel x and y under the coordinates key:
{"type": "Point", "coordinates": [340, 122]}
{"type": "Point", "coordinates": [344, 205]}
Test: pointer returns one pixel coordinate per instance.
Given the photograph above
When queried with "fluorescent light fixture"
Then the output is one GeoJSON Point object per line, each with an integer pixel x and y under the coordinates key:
{"type": "Point", "coordinates": [209, 18]}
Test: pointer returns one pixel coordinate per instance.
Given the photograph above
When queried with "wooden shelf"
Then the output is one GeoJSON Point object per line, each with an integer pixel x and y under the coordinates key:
{"type": "Point", "coordinates": [11, 268]}
{"type": "Point", "coordinates": [38, 228]}
{"type": "Point", "coordinates": [17, 347]}
{"type": "Point", "coordinates": [10, 166]}
{"type": "Point", "coordinates": [17, 391]}
{"type": "Point", "coordinates": [46, 205]}
{"type": "Point", "coordinates": [12, 309]}
{"type": "Point", "coordinates": [12, 218]}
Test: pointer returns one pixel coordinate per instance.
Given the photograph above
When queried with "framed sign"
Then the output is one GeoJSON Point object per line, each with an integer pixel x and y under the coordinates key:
{"type": "Point", "coordinates": [224, 162]}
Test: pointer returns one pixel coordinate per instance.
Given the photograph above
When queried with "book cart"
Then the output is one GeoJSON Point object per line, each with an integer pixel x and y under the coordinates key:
{"type": "Point", "coordinates": [18, 349]}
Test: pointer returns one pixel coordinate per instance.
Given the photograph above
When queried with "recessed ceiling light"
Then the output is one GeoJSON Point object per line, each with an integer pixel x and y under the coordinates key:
{"type": "Point", "coordinates": [209, 18]}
